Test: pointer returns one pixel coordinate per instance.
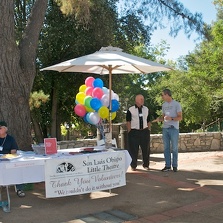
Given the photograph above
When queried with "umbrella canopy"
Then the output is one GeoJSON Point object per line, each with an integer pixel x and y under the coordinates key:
{"type": "Point", "coordinates": [109, 60]}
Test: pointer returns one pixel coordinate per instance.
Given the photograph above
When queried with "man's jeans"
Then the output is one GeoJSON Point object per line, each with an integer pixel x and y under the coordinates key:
{"type": "Point", "coordinates": [170, 137]}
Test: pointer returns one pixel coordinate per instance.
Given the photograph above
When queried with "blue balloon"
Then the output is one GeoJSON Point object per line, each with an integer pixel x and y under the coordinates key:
{"type": "Point", "coordinates": [88, 118]}
{"type": "Point", "coordinates": [98, 83]}
{"type": "Point", "coordinates": [115, 105]}
{"type": "Point", "coordinates": [105, 90]}
{"type": "Point", "coordinates": [85, 118]}
{"type": "Point", "coordinates": [95, 104]}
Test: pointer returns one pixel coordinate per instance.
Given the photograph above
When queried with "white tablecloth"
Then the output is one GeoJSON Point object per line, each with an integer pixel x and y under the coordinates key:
{"type": "Point", "coordinates": [30, 168]}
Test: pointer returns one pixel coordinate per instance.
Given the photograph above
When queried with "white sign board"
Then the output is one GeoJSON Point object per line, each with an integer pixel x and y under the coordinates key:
{"type": "Point", "coordinates": [80, 174]}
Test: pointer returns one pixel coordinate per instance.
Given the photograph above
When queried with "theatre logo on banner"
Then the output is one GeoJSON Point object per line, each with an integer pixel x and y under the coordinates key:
{"type": "Point", "coordinates": [81, 174]}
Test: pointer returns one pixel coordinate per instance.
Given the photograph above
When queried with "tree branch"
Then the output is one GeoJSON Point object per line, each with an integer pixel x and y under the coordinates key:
{"type": "Point", "coordinates": [29, 42]}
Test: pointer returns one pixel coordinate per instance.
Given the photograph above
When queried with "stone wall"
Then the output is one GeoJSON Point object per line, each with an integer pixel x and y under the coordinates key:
{"type": "Point", "coordinates": [77, 143]}
{"type": "Point", "coordinates": [191, 142]}
{"type": "Point", "coordinates": [188, 142]}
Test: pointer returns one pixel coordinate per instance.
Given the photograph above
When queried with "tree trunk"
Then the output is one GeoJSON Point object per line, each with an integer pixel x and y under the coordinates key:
{"type": "Point", "coordinates": [53, 131]}
{"type": "Point", "coordinates": [17, 70]}
{"type": "Point", "coordinates": [37, 130]}
{"type": "Point", "coordinates": [58, 128]}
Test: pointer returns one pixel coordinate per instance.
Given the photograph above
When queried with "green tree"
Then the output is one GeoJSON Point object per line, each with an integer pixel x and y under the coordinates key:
{"type": "Point", "coordinates": [64, 38]}
{"type": "Point", "coordinates": [37, 102]}
{"type": "Point", "coordinates": [18, 56]}
{"type": "Point", "coordinates": [126, 32]}
{"type": "Point", "coordinates": [159, 13]}
{"type": "Point", "coordinates": [197, 83]}
{"type": "Point", "coordinates": [205, 66]}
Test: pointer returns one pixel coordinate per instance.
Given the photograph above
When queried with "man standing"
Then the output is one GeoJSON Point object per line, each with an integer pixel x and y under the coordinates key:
{"type": "Point", "coordinates": [171, 115]}
{"type": "Point", "coordinates": [138, 127]}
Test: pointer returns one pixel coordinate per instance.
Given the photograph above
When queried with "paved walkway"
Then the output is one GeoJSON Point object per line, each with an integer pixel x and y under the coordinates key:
{"type": "Point", "coordinates": [196, 193]}
{"type": "Point", "coordinates": [193, 194]}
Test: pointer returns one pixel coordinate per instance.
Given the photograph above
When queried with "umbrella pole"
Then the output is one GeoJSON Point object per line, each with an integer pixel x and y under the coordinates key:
{"type": "Point", "coordinates": [108, 139]}
{"type": "Point", "coordinates": [110, 97]}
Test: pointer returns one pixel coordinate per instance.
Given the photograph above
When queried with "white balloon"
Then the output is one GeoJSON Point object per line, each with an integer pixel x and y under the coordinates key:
{"type": "Point", "coordinates": [105, 100]}
{"type": "Point", "coordinates": [105, 90]}
{"type": "Point", "coordinates": [112, 93]}
{"type": "Point", "coordinates": [94, 118]}
{"type": "Point", "coordinates": [115, 96]}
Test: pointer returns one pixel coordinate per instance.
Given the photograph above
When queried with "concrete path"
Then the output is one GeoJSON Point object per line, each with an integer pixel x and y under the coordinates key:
{"type": "Point", "coordinates": [194, 194]}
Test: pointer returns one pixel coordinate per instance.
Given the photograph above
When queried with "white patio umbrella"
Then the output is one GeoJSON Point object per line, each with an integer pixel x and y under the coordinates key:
{"type": "Point", "coordinates": [109, 60]}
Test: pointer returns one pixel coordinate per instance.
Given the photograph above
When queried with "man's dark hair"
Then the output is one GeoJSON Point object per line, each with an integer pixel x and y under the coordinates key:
{"type": "Point", "coordinates": [167, 91]}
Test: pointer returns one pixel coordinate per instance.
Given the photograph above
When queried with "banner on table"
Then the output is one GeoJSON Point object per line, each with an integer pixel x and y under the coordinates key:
{"type": "Point", "coordinates": [84, 173]}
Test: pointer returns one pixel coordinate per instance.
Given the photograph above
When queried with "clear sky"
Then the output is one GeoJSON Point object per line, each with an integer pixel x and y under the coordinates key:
{"type": "Point", "coordinates": [181, 45]}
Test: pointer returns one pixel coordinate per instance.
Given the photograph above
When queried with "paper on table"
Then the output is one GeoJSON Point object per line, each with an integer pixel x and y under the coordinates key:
{"type": "Point", "coordinates": [8, 157]}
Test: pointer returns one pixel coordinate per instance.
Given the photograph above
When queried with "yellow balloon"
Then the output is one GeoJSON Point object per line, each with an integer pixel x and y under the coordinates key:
{"type": "Point", "coordinates": [103, 112]}
{"type": "Point", "coordinates": [82, 88]}
{"type": "Point", "coordinates": [80, 97]}
{"type": "Point", "coordinates": [113, 116]}
{"type": "Point", "coordinates": [89, 109]}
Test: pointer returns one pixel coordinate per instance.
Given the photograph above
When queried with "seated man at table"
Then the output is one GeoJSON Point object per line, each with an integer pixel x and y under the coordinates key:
{"type": "Point", "coordinates": [8, 145]}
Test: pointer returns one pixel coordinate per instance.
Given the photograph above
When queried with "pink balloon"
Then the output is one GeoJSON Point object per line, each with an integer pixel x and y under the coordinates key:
{"type": "Point", "coordinates": [88, 91]}
{"type": "Point", "coordinates": [97, 93]}
{"type": "Point", "coordinates": [80, 110]}
{"type": "Point", "coordinates": [89, 81]}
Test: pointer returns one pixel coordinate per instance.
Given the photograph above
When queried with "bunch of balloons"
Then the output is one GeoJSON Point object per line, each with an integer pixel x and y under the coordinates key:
{"type": "Point", "coordinates": [92, 101]}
